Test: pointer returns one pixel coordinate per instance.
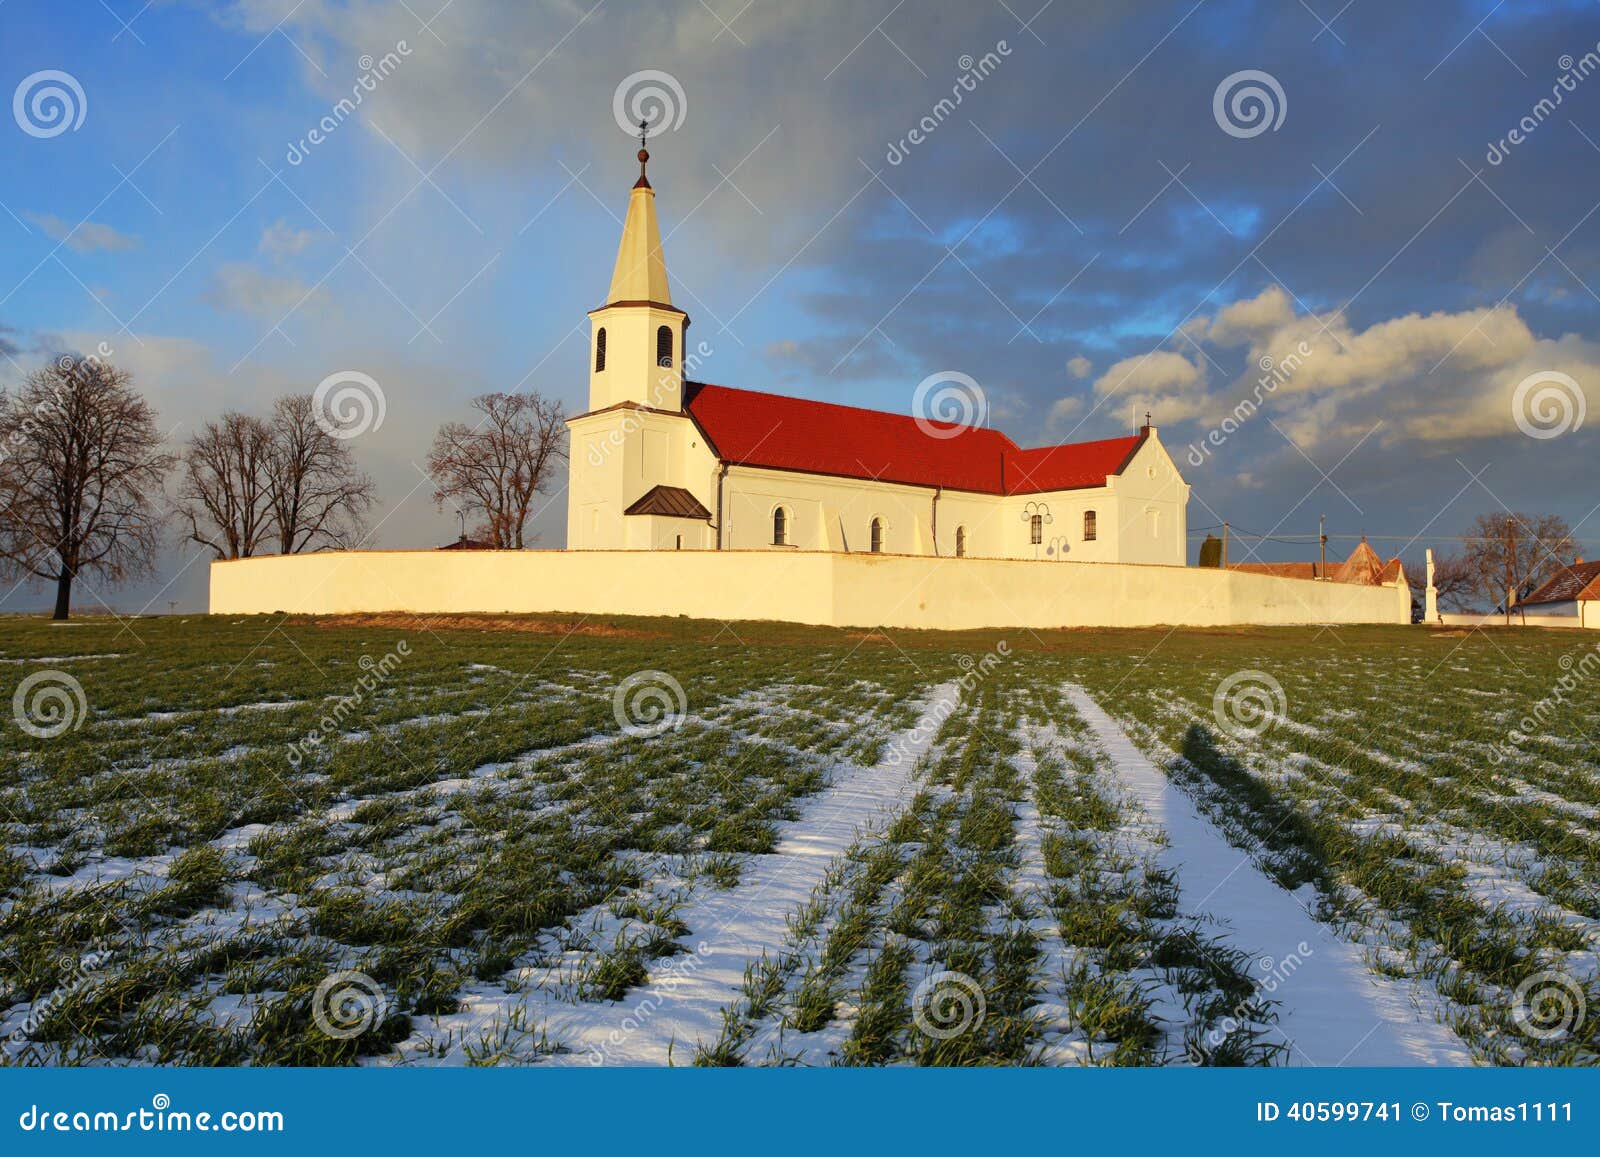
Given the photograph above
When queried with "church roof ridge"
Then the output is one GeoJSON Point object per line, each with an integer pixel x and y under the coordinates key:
{"type": "Point", "coordinates": [783, 432]}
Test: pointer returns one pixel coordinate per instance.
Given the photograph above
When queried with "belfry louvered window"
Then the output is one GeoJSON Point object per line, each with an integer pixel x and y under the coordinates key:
{"type": "Point", "coordinates": [664, 346]}
{"type": "Point", "coordinates": [600, 350]}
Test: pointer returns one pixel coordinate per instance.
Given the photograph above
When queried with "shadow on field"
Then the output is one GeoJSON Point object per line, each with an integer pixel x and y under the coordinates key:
{"type": "Point", "coordinates": [1250, 813]}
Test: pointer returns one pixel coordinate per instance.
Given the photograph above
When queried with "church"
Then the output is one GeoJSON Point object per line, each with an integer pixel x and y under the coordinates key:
{"type": "Point", "coordinates": [660, 462]}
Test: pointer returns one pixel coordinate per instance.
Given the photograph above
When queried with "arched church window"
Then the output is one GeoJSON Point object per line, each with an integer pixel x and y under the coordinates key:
{"type": "Point", "coordinates": [877, 536]}
{"type": "Point", "coordinates": [1089, 528]}
{"type": "Point", "coordinates": [600, 350]}
{"type": "Point", "coordinates": [780, 527]}
{"type": "Point", "coordinates": [961, 542]}
{"type": "Point", "coordinates": [1036, 529]}
{"type": "Point", "coordinates": [664, 346]}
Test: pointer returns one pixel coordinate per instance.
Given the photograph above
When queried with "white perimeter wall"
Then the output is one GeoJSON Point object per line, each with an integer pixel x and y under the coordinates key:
{"type": "Point", "coordinates": [797, 586]}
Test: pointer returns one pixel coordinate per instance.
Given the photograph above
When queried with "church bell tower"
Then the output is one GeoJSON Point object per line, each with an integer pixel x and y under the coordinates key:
{"type": "Point", "coordinates": [636, 340]}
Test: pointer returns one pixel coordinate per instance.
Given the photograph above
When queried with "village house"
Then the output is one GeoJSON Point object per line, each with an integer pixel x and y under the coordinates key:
{"type": "Point", "coordinates": [1572, 594]}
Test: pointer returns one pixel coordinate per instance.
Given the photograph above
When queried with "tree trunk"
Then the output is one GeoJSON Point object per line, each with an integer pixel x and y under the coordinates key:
{"type": "Point", "coordinates": [63, 594]}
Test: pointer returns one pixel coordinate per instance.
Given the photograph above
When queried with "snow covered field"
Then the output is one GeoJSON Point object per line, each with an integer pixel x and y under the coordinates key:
{"type": "Point", "coordinates": [391, 842]}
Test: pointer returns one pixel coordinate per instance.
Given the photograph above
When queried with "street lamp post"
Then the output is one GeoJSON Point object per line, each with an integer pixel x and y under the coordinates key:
{"type": "Point", "coordinates": [1037, 516]}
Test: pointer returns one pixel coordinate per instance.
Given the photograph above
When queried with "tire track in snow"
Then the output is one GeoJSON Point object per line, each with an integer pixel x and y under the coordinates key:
{"type": "Point", "coordinates": [1335, 1010]}
{"type": "Point", "coordinates": [681, 1006]}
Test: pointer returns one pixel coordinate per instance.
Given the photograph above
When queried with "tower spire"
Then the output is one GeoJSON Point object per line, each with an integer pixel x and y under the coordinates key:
{"type": "Point", "coordinates": [640, 273]}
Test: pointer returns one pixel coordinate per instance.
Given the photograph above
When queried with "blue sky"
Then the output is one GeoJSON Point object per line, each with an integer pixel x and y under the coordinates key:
{"type": "Point", "coordinates": [1081, 235]}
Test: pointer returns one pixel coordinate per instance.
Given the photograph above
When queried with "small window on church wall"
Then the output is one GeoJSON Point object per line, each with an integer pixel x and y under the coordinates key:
{"type": "Point", "coordinates": [600, 350]}
{"type": "Point", "coordinates": [1088, 526]}
{"type": "Point", "coordinates": [961, 542]}
{"type": "Point", "coordinates": [1155, 523]}
{"type": "Point", "coordinates": [780, 527]}
{"type": "Point", "coordinates": [664, 346]}
{"type": "Point", "coordinates": [877, 536]}
{"type": "Point", "coordinates": [1036, 529]}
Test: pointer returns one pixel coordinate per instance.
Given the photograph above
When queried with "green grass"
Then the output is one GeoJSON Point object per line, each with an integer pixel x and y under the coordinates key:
{"type": "Point", "coordinates": [473, 815]}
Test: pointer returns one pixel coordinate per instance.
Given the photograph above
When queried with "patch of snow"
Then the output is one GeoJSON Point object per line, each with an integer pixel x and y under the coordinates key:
{"type": "Point", "coordinates": [1335, 1010]}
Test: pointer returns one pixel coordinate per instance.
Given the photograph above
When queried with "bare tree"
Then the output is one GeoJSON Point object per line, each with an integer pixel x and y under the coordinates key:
{"type": "Point", "coordinates": [320, 498]}
{"type": "Point", "coordinates": [1508, 552]}
{"type": "Point", "coordinates": [495, 468]}
{"type": "Point", "coordinates": [81, 472]}
{"type": "Point", "coordinates": [226, 491]}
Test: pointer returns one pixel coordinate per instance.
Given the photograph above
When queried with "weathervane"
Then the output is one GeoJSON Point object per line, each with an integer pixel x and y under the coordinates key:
{"type": "Point", "coordinates": [644, 154]}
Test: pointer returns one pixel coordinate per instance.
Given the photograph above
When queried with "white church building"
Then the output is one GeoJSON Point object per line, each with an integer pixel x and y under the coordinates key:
{"type": "Point", "coordinates": [699, 500]}
{"type": "Point", "coordinates": [660, 462]}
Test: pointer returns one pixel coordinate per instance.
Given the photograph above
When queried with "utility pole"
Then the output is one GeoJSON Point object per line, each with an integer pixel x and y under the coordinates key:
{"type": "Point", "coordinates": [1510, 571]}
{"type": "Point", "coordinates": [1322, 536]}
{"type": "Point", "coordinates": [1224, 546]}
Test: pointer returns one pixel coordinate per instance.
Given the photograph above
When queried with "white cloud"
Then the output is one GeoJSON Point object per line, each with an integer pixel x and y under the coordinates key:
{"type": "Point", "coordinates": [280, 240]}
{"type": "Point", "coordinates": [1433, 378]}
{"type": "Point", "coordinates": [240, 287]}
{"type": "Point", "coordinates": [86, 237]}
{"type": "Point", "coordinates": [1080, 367]}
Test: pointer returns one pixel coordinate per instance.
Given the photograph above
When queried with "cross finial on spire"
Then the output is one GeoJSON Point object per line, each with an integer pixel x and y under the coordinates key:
{"type": "Point", "coordinates": [644, 154]}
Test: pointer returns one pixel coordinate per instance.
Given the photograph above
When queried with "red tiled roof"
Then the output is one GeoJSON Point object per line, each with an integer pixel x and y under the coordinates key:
{"type": "Point", "coordinates": [748, 428]}
{"type": "Point", "coordinates": [1362, 568]}
{"type": "Point", "coordinates": [1579, 581]}
{"type": "Point", "coordinates": [469, 544]}
{"type": "Point", "coordinates": [1299, 570]}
